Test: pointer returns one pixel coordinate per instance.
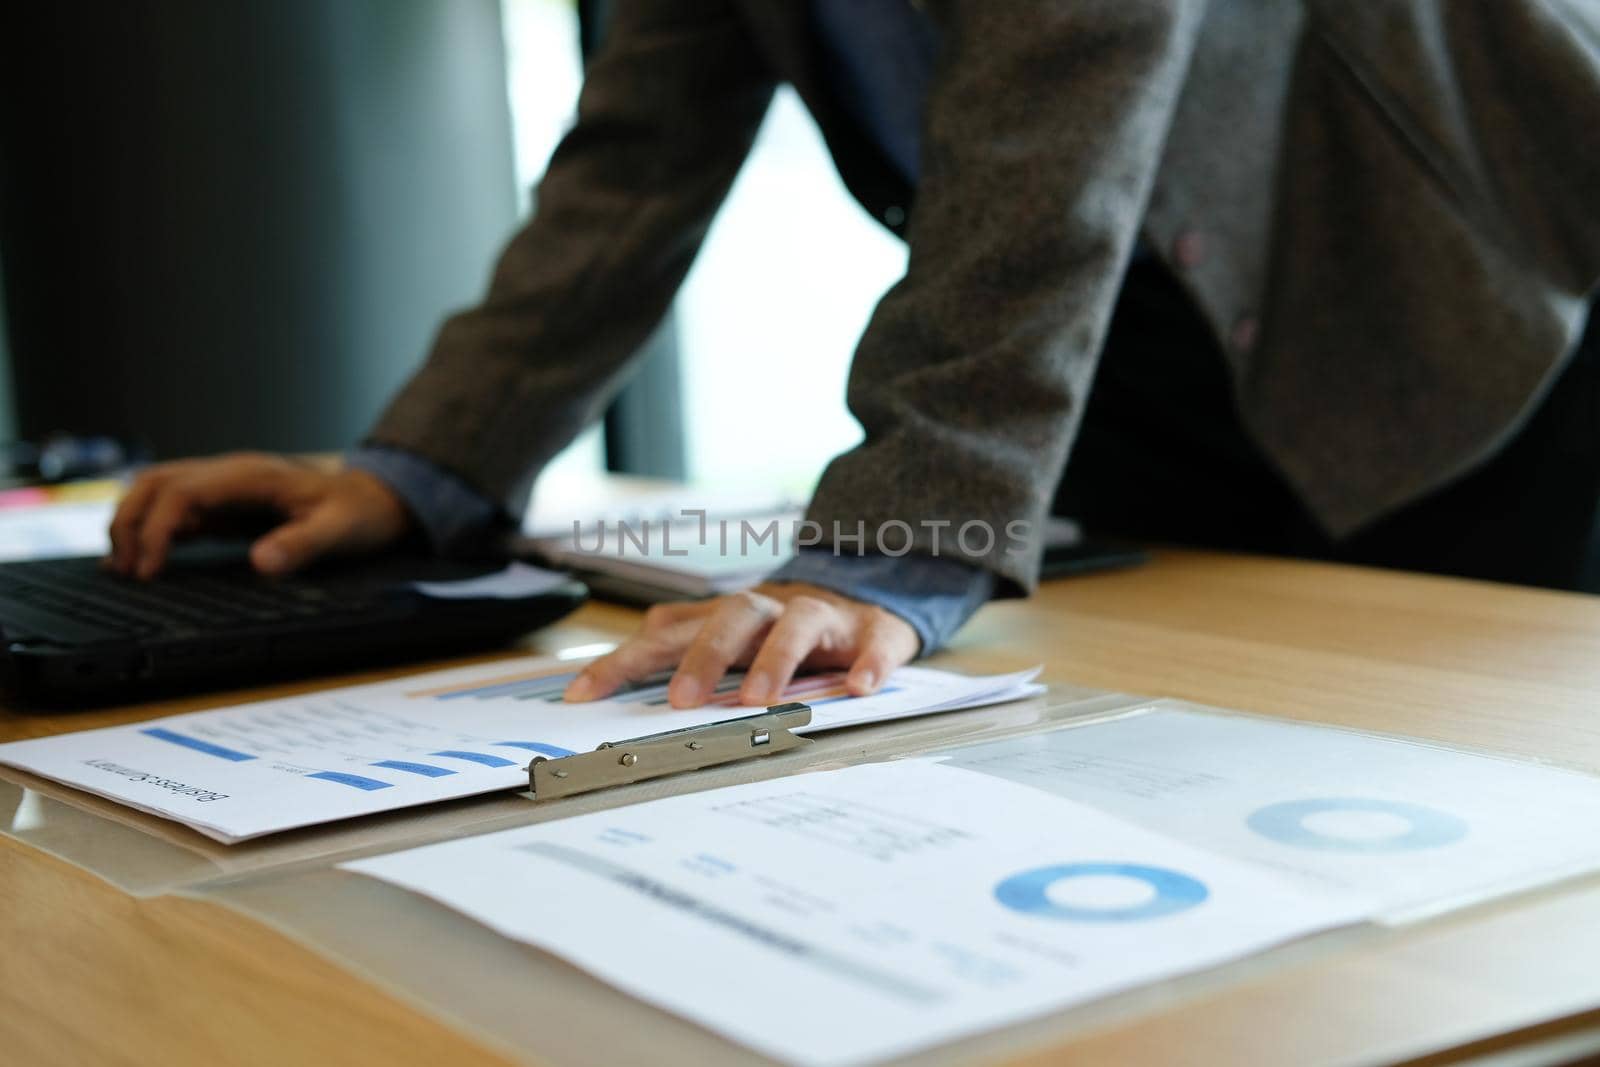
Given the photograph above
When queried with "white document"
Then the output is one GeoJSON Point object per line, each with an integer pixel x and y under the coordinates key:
{"type": "Point", "coordinates": [687, 555]}
{"type": "Point", "coordinates": [514, 581]}
{"type": "Point", "coordinates": [1415, 827]}
{"type": "Point", "coordinates": [564, 498]}
{"type": "Point", "coordinates": [240, 772]}
{"type": "Point", "coordinates": [847, 916]}
{"type": "Point", "coordinates": [50, 531]}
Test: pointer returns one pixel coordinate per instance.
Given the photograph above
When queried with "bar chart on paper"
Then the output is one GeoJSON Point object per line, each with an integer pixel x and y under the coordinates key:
{"type": "Point", "coordinates": [240, 772]}
{"type": "Point", "coordinates": [814, 689]}
{"type": "Point", "coordinates": [545, 685]}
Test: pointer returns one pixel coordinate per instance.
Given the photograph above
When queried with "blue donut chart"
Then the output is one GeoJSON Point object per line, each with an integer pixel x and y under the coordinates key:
{"type": "Point", "coordinates": [1029, 892]}
{"type": "Point", "coordinates": [1285, 823]}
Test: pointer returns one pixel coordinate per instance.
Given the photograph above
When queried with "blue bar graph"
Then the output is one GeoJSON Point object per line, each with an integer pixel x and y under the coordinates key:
{"type": "Point", "coordinates": [519, 689]}
{"type": "Point", "coordinates": [354, 780]}
{"type": "Point", "coordinates": [427, 770]}
{"type": "Point", "coordinates": [656, 695]}
{"type": "Point", "coordinates": [477, 757]}
{"type": "Point", "coordinates": [851, 696]}
{"type": "Point", "coordinates": [537, 746]}
{"type": "Point", "coordinates": [198, 745]}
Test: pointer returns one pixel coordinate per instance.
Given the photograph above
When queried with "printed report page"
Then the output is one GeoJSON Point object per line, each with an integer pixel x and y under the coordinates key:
{"type": "Point", "coordinates": [847, 916]}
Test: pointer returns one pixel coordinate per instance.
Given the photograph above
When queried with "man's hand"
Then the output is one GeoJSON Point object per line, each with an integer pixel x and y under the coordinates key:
{"type": "Point", "coordinates": [774, 629]}
{"type": "Point", "coordinates": [323, 511]}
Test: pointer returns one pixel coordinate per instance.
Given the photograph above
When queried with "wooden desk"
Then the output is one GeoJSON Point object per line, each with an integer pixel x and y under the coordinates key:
{"type": "Point", "coordinates": [88, 975]}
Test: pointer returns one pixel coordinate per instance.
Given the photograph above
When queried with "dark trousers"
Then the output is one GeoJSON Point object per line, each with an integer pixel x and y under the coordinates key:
{"type": "Point", "coordinates": [1162, 457]}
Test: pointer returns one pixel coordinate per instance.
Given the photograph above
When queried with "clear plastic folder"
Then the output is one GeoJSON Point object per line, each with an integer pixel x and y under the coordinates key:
{"type": "Point", "coordinates": [537, 1008]}
{"type": "Point", "coordinates": [146, 855]}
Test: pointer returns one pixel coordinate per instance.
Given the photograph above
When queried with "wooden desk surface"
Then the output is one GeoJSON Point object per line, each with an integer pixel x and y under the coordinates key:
{"type": "Point", "coordinates": [89, 975]}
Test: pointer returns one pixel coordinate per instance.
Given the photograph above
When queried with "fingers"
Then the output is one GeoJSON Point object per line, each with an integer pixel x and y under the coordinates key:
{"type": "Point", "coordinates": [889, 642]}
{"type": "Point", "coordinates": [731, 634]}
{"type": "Point", "coordinates": [704, 639]}
{"type": "Point", "coordinates": [805, 624]}
{"type": "Point", "coordinates": [130, 516]}
{"type": "Point", "coordinates": [169, 511]}
{"type": "Point", "coordinates": [181, 502]}
{"type": "Point", "coordinates": [667, 631]}
{"type": "Point", "coordinates": [776, 637]}
{"type": "Point", "coordinates": [348, 511]}
{"type": "Point", "coordinates": [295, 544]}
{"type": "Point", "coordinates": [175, 498]}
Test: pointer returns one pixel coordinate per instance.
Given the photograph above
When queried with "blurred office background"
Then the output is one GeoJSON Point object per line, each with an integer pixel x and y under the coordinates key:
{"type": "Point", "coordinates": [233, 223]}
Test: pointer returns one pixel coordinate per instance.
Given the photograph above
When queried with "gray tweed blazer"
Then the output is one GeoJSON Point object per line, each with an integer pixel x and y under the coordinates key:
{"type": "Point", "coordinates": [1388, 210]}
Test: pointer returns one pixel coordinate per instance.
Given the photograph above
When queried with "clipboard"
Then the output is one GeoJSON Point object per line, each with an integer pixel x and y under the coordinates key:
{"type": "Point", "coordinates": [148, 855]}
{"type": "Point", "coordinates": [693, 748]}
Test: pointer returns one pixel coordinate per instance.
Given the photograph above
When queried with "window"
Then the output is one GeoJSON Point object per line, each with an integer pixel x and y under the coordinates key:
{"type": "Point", "coordinates": [544, 71]}
{"type": "Point", "coordinates": [769, 316]}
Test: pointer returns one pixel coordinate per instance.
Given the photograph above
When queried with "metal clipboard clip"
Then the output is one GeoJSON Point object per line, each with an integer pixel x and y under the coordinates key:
{"type": "Point", "coordinates": [655, 755]}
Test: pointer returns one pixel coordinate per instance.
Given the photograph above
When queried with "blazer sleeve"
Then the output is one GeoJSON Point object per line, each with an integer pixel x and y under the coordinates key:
{"type": "Point", "coordinates": [670, 105]}
{"type": "Point", "coordinates": [1042, 135]}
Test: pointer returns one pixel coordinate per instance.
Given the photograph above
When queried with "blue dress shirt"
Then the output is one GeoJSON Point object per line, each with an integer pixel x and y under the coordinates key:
{"type": "Point", "coordinates": [879, 57]}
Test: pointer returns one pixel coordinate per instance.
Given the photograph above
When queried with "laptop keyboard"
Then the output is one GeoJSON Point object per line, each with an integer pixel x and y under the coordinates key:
{"type": "Point", "coordinates": [76, 601]}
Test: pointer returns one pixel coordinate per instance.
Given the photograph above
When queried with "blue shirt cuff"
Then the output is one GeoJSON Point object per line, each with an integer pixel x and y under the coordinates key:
{"type": "Point", "coordinates": [936, 596]}
{"type": "Point", "coordinates": [451, 513]}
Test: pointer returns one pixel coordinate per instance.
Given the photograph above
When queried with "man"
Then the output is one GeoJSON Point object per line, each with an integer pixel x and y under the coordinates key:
{"type": "Point", "coordinates": [1368, 250]}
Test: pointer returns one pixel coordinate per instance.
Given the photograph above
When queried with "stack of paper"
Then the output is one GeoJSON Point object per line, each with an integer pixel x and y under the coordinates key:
{"type": "Point", "coordinates": [240, 772]}
{"type": "Point", "coordinates": [50, 522]}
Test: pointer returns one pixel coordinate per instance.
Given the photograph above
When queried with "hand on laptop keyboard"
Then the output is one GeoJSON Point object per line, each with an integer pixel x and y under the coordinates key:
{"type": "Point", "coordinates": [322, 511]}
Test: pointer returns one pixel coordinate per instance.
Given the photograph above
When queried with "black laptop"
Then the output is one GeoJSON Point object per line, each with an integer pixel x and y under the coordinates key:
{"type": "Point", "coordinates": [74, 633]}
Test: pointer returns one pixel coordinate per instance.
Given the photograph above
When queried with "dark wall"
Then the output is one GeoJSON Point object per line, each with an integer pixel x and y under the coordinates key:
{"type": "Point", "coordinates": [230, 223]}
{"type": "Point", "coordinates": [8, 427]}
